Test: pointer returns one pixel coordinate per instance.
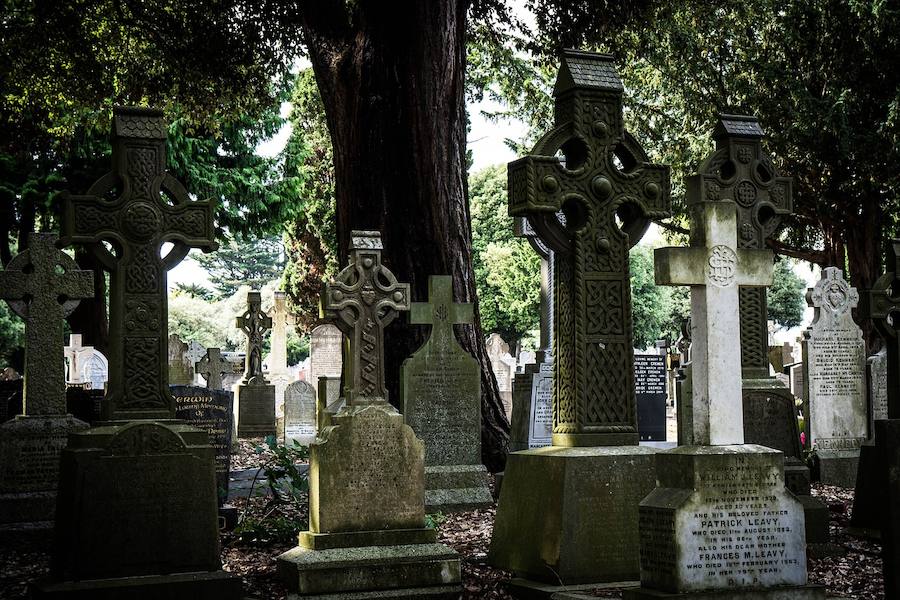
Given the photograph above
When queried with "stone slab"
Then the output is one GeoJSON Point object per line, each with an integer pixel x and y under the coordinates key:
{"type": "Point", "coordinates": [650, 396]}
{"type": "Point", "coordinates": [215, 585]}
{"type": "Point", "coordinates": [212, 411]}
{"type": "Point", "coordinates": [839, 469]}
{"type": "Point", "coordinates": [887, 443]}
{"type": "Point", "coordinates": [254, 410]}
{"type": "Point", "coordinates": [720, 519]}
{"type": "Point", "coordinates": [360, 539]}
{"type": "Point", "coordinates": [803, 592]}
{"type": "Point", "coordinates": [367, 569]}
{"type": "Point", "coordinates": [525, 589]}
{"type": "Point", "coordinates": [869, 500]}
{"type": "Point", "coordinates": [300, 413]}
{"type": "Point", "coordinates": [531, 425]}
{"type": "Point", "coordinates": [570, 515]}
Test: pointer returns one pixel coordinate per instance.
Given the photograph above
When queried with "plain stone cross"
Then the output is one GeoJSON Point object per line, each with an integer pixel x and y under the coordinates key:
{"type": "Point", "coordinates": [254, 323]}
{"type": "Point", "coordinates": [742, 172]}
{"type": "Point", "coordinates": [440, 312]}
{"type": "Point", "coordinates": [714, 268]}
{"type": "Point", "coordinates": [606, 178]}
{"type": "Point", "coordinates": [281, 320]}
{"type": "Point", "coordinates": [211, 367]}
{"type": "Point", "coordinates": [138, 207]}
{"type": "Point", "coordinates": [882, 306]}
{"type": "Point", "coordinates": [43, 285]}
{"type": "Point", "coordinates": [363, 299]}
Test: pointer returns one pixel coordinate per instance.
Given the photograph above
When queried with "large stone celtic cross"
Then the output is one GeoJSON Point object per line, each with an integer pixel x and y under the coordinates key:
{"type": "Point", "coordinates": [136, 208]}
{"type": "Point", "coordinates": [362, 300]}
{"type": "Point", "coordinates": [881, 304]}
{"type": "Point", "coordinates": [605, 177]}
{"type": "Point", "coordinates": [254, 323]}
{"type": "Point", "coordinates": [740, 171]}
{"type": "Point", "coordinates": [43, 285]}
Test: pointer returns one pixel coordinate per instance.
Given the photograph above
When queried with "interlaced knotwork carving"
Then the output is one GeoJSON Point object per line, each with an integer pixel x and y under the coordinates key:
{"type": "Point", "coordinates": [600, 408]}
{"type": "Point", "coordinates": [753, 346]}
{"type": "Point", "coordinates": [142, 374]}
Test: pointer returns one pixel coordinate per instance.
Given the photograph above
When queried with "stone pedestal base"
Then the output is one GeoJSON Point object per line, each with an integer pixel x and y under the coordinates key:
{"type": "Point", "coordinates": [371, 564]}
{"type": "Point", "coordinates": [570, 515]}
{"type": "Point", "coordinates": [137, 516]}
{"type": "Point", "coordinates": [838, 467]}
{"type": "Point", "coordinates": [456, 488]}
{"type": "Point", "coordinates": [254, 410]}
{"type": "Point", "coordinates": [800, 592]}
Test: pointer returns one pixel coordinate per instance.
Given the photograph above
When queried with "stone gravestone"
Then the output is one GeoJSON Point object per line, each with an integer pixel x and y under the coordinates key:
{"type": "Point", "coordinates": [213, 367]}
{"type": "Point", "coordinates": [300, 413]}
{"type": "Point", "coordinates": [278, 371]}
{"type": "Point", "coordinates": [195, 353]}
{"type": "Point", "coordinates": [328, 395]}
{"type": "Point", "coordinates": [721, 522]}
{"type": "Point", "coordinates": [211, 410]}
{"type": "Point", "coordinates": [42, 285]}
{"type": "Point", "coordinates": [255, 396]}
{"type": "Point", "coordinates": [440, 391]}
{"type": "Point", "coordinates": [95, 370]}
{"type": "Point", "coordinates": [367, 534]}
{"type": "Point", "coordinates": [876, 384]}
{"type": "Point", "coordinates": [181, 369]}
{"type": "Point", "coordinates": [595, 473]}
{"type": "Point", "coordinates": [504, 367]}
{"type": "Point", "coordinates": [325, 344]}
{"type": "Point", "coordinates": [650, 394]}
{"type": "Point", "coordinates": [136, 515]}
{"type": "Point", "coordinates": [75, 355]}
{"type": "Point", "coordinates": [834, 359]}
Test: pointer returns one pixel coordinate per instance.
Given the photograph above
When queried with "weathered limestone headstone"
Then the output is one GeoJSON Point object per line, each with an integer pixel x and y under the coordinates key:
{"type": "Point", "coordinates": [440, 391]}
{"type": "Point", "coordinates": [721, 519]}
{"type": "Point", "coordinates": [834, 364]}
{"type": "Point", "coordinates": [594, 474]}
{"type": "Point", "coordinates": [254, 395]}
{"type": "Point", "coordinates": [504, 367]}
{"type": "Point", "coordinates": [299, 413]}
{"type": "Point", "coordinates": [325, 345]}
{"type": "Point", "coordinates": [650, 395]}
{"type": "Point", "coordinates": [211, 410]}
{"type": "Point", "coordinates": [367, 531]}
{"type": "Point", "coordinates": [195, 352]}
{"type": "Point", "coordinates": [181, 369]}
{"type": "Point", "coordinates": [213, 367]}
{"type": "Point", "coordinates": [136, 515]}
{"type": "Point", "coordinates": [42, 285]}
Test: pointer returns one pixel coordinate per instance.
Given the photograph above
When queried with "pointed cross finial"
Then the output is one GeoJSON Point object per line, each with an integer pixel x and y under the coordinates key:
{"type": "Point", "coordinates": [43, 285]}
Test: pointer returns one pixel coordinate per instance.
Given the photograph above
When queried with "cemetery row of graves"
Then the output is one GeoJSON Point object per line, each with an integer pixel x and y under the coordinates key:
{"type": "Point", "coordinates": [127, 461]}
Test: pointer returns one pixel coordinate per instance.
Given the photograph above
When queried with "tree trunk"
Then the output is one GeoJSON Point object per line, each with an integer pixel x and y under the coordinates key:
{"type": "Point", "coordinates": [391, 76]}
{"type": "Point", "coordinates": [863, 243]}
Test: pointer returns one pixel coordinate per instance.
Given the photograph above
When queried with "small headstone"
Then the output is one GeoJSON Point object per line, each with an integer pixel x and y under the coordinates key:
{"type": "Point", "coordinates": [531, 425]}
{"type": "Point", "coordinates": [504, 367]}
{"type": "Point", "coordinates": [876, 370]}
{"type": "Point", "coordinates": [325, 343]}
{"type": "Point", "coordinates": [95, 370]}
{"type": "Point", "coordinates": [650, 394]}
{"type": "Point", "coordinates": [299, 413]}
{"type": "Point", "coordinates": [440, 391]}
{"type": "Point", "coordinates": [181, 370]}
{"type": "Point", "coordinates": [210, 410]}
{"type": "Point", "coordinates": [254, 395]}
{"type": "Point", "coordinates": [836, 419]}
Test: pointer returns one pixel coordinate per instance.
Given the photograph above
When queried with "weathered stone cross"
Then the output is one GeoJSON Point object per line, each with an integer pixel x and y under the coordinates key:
{"type": "Point", "coordinates": [211, 367]}
{"type": "Point", "coordinates": [136, 208]}
{"type": "Point", "coordinates": [43, 285]}
{"type": "Point", "coordinates": [740, 171]}
{"type": "Point", "coordinates": [881, 304]}
{"type": "Point", "coordinates": [281, 320]}
{"type": "Point", "coordinates": [714, 268]}
{"type": "Point", "coordinates": [363, 299]}
{"type": "Point", "coordinates": [605, 177]}
{"type": "Point", "coordinates": [441, 313]}
{"type": "Point", "coordinates": [254, 323]}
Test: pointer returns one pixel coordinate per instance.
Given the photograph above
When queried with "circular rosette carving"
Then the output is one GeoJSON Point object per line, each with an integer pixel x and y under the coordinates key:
{"type": "Point", "coordinates": [745, 194]}
{"type": "Point", "coordinates": [721, 266]}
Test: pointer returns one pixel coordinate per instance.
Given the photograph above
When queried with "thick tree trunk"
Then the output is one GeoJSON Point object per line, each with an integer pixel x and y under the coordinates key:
{"type": "Point", "coordinates": [391, 77]}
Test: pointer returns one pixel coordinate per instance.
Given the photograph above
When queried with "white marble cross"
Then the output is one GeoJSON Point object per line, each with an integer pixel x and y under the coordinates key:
{"type": "Point", "coordinates": [715, 268]}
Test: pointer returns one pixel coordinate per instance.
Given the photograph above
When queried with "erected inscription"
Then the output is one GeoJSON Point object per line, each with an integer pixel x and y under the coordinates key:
{"type": "Point", "coordinates": [325, 342]}
{"type": "Point", "coordinates": [540, 432]}
{"type": "Point", "coordinates": [210, 410]}
{"type": "Point", "coordinates": [650, 395]}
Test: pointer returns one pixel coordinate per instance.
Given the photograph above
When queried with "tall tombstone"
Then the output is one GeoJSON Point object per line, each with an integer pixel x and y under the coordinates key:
{"type": "Point", "coordinates": [213, 367]}
{"type": "Point", "coordinates": [154, 477]}
{"type": "Point", "coordinates": [367, 533]}
{"type": "Point", "coordinates": [834, 373]}
{"type": "Point", "coordinates": [181, 369]}
{"type": "Point", "coordinates": [278, 374]}
{"type": "Point", "coordinates": [504, 367]}
{"type": "Point", "coordinates": [42, 285]}
{"type": "Point", "coordinates": [876, 384]}
{"type": "Point", "coordinates": [721, 522]}
{"type": "Point", "coordinates": [440, 391]}
{"type": "Point", "coordinates": [595, 473]}
{"type": "Point", "coordinates": [531, 425]}
{"type": "Point", "coordinates": [299, 413]}
{"type": "Point", "coordinates": [877, 498]}
{"type": "Point", "coordinates": [254, 395]}
{"type": "Point", "coordinates": [325, 361]}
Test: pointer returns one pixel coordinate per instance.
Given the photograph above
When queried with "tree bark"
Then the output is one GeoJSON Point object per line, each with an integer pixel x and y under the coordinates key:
{"type": "Point", "coordinates": [391, 76]}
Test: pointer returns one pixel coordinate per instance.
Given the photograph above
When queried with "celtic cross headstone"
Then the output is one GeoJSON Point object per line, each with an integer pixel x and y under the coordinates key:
{"type": "Point", "coordinates": [137, 207]}
{"type": "Point", "coordinates": [881, 304]}
{"type": "Point", "coordinates": [364, 298]}
{"type": "Point", "coordinates": [254, 323]}
{"type": "Point", "coordinates": [605, 176]}
{"type": "Point", "coordinates": [212, 367]}
{"type": "Point", "coordinates": [281, 321]}
{"type": "Point", "coordinates": [714, 266]}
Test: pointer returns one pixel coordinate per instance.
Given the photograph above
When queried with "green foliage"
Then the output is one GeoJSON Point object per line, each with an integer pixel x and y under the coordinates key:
{"type": "Point", "coordinates": [507, 269]}
{"type": "Point", "coordinates": [434, 520]}
{"type": "Point", "coordinates": [240, 262]}
{"type": "Point", "coordinates": [786, 296]}
{"type": "Point", "coordinates": [193, 290]}
{"type": "Point", "coordinates": [650, 304]}
{"type": "Point", "coordinates": [297, 348]}
{"type": "Point", "coordinates": [12, 334]}
{"type": "Point", "coordinates": [199, 320]}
